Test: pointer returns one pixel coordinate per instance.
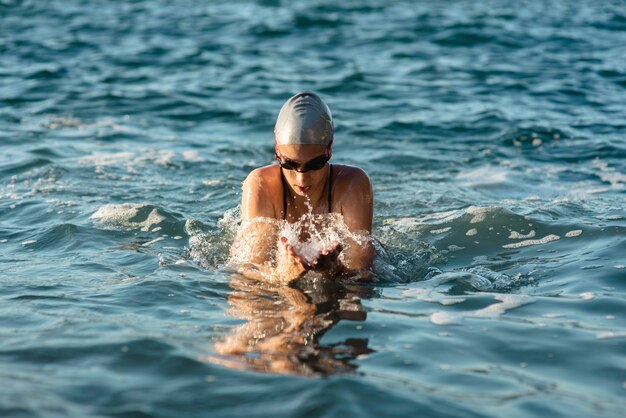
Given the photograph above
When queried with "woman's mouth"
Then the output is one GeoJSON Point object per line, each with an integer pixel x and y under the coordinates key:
{"type": "Point", "coordinates": [303, 189]}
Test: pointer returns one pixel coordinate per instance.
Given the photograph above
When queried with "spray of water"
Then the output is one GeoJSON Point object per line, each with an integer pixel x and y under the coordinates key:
{"type": "Point", "coordinates": [309, 235]}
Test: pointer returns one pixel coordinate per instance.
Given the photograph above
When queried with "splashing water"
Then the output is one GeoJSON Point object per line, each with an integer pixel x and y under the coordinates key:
{"type": "Point", "coordinates": [313, 233]}
{"type": "Point", "coordinates": [309, 235]}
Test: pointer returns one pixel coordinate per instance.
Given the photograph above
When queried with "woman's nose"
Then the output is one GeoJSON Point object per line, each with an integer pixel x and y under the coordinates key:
{"type": "Point", "coordinates": [300, 177]}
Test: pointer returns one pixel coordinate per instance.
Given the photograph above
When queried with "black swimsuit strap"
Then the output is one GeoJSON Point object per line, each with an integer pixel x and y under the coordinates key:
{"type": "Point", "coordinates": [282, 179]}
{"type": "Point", "coordinates": [330, 183]}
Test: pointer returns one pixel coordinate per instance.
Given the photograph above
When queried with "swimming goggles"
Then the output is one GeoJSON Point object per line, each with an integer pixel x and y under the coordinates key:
{"type": "Point", "coordinates": [312, 165]}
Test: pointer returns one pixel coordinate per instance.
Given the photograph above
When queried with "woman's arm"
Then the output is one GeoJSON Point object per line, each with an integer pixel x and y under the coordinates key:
{"type": "Point", "coordinates": [257, 250]}
{"type": "Point", "coordinates": [357, 208]}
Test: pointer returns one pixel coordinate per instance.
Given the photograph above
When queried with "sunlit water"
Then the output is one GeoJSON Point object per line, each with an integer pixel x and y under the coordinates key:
{"type": "Point", "coordinates": [494, 138]}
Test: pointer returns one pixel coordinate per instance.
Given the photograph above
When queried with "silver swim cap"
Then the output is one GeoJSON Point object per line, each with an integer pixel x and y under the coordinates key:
{"type": "Point", "coordinates": [304, 119]}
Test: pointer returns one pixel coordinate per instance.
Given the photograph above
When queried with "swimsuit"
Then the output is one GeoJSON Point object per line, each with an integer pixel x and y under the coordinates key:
{"type": "Point", "coordinates": [330, 182]}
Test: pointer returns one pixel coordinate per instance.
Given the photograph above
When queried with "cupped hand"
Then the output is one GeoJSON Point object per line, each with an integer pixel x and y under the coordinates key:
{"type": "Point", "coordinates": [293, 264]}
{"type": "Point", "coordinates": [327, 259]}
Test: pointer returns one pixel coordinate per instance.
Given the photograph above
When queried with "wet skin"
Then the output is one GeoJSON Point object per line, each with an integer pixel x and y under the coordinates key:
{"type": "Point", "coordinates": [284, 326]}
{"type": "Point", "coordinates": [307, 192]}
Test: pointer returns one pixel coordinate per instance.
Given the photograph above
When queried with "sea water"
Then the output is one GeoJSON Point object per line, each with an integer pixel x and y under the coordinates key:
{"type": "Point", "coordinates": [493, 134]}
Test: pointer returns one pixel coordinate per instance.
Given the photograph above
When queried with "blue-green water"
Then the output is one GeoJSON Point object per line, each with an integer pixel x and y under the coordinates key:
{"type": "Point", "coordinates": [494, 135]}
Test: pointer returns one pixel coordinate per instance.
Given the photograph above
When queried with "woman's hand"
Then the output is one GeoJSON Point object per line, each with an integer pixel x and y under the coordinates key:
{"type": "Point", "coordinates": [292, 265]}
{"type": "Point", "coordinates": [327, 259]}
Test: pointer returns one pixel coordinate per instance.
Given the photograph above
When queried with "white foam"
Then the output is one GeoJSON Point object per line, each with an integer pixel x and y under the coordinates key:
{"type": "Point", "coordinates": [132, 160]}
{"type": "Point", "coordinates": [29, 242]}
{"type": "Point", "coordinates": [191, 155]}
{"type": "Point", "coordinates": [210, 182]}
{"type": "Point", "coordinates": [471, 232]}
{"type": "Point", "coordinates": [480, 214]}
{"type": "Point", "coordinates": [552, 315]}
{"type": "Point", "coordinates": [430, 219]}
{"type": "Point", "coordinates": [574, 233]}
{"type": "Point", "coordinates": [526, 243]}
{"type": "Point", "coordinates": [420, 293]}
{"type": "Point", "coordinates": [607, 335]}
{"type": "Point", "coordinates": [154, 241]}
{"type": "Point", "coordinates": [478, 218]}
{"type": "Point", "coordinates": [164, 157]}
{"type": "Point", "coordinates": [120, 215]}
{"type": "Point", "coordinates": [506, 303]}
{"type": "Point", "coordinates": [440, 231]}
{"type": "Point", "coordinates": [587, 296]}
{"type": "Point", "coordinates": [430, 295]}
{"type": "Point", "coordinates": [518, 235]}
{"type": "Point", "coordinates": [452, 301]}
{"type": "Point", "coordinates": [439, 216]}
{"type": "Point", "coordinates": [484, 176]}
{"type": "Point", "coordinates": [610, 174]}
{"type": "Point", "coordinates": [63, 122]}
{"type": "Point", "coordinates": [619, 266]}
{"type": "Point", "coordinates": [104, 159]}
{"type": "Point", "coordinates": [2, 241]}
{"type": "Point", "coordinates": [444, 318]}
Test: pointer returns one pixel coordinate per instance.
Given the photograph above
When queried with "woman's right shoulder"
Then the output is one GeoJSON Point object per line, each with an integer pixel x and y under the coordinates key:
{"type": "Point", "coordinates": [267, 176]}
{"type": "Point", "coordinates": [261, 194]}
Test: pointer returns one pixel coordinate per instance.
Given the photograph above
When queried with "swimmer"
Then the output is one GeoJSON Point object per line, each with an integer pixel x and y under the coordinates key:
{"type": "Point", "coordinates": [304, 183]}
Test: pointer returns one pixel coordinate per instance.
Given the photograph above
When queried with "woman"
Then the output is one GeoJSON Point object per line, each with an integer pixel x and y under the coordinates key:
{"type": "Point", "coordinates": [304, 185]}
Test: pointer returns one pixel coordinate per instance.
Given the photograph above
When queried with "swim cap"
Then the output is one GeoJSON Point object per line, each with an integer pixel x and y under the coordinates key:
{"type": "Point", "coordinates": [304, 119]}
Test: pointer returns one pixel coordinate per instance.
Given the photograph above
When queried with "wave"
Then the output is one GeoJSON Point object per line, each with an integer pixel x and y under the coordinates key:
{"type": "Point", "coordinates": [139, 216]}
{"type": "Point", "coordinates": [23, 166]}
{"type": "Point", "coordinates": [474, 237]}
{"type": "Point", "coordinates": [210, 244]}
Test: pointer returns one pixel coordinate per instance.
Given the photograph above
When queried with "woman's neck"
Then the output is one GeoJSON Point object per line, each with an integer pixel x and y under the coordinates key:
{"type": "Point", "coordinates": [317, 199]}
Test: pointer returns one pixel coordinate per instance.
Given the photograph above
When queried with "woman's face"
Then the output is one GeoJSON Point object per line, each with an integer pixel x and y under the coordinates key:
{"type": "Point", "coordinates": [304, 184]}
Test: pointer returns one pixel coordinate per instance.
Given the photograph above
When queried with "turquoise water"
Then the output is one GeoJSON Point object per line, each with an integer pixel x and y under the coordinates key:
{"type": "Point", "coordinates": [494, 136]}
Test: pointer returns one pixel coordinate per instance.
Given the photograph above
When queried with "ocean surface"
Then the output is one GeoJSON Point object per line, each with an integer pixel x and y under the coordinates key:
{"type": "Point", "coordinates": [494, 134]}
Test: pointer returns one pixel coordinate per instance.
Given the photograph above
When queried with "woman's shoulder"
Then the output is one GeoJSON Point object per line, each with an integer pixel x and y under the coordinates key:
{"type": "Point", "coordinates": [351, 186]}
{"type": "Point", "coordinates": [263, 176]}
{"type": "Point", "coordinates": [349, 174]}
{"type": "Point", "coordinates": [262, 193]}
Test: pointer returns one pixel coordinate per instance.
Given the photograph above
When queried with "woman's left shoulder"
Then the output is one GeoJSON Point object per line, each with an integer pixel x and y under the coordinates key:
{"type": "Point", "coordinates": [349, 180]}
{"type": "Point", "coordinates": [350, 174]}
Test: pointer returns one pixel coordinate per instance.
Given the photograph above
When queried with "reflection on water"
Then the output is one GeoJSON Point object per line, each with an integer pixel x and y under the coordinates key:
{"type": "Point", "coordinates": [284, 326]}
